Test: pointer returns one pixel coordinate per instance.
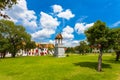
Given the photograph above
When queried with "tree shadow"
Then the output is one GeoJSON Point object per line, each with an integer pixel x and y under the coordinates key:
{"type": "Point", "coordinates": [112, 61]}
{"type": "Point", "coordinates": [92, 65]}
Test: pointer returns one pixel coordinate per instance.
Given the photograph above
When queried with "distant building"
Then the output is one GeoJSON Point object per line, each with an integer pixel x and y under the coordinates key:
{"type": "Point", "coordinates": [40, 50]}
{"type": "Point", "coordinates": [95, 49]}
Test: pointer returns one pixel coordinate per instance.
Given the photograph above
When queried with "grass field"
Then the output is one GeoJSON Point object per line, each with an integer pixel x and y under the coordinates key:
{"type": "Point", "coordinates": [74, 67]}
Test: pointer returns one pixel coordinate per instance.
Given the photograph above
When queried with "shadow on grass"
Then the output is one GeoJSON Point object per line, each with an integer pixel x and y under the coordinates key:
{"type": "Point", "coordinates": [92, 65]}
{"type": "Point", "coordinates": [112, 61]}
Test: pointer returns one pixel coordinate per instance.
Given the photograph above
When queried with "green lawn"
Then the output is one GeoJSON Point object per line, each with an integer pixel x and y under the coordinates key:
{"type": "Point", "coordinates": [74, 67]}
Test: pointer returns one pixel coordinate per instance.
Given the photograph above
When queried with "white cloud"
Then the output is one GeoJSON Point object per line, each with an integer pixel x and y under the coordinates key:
{"type": "Point", "coordinates": [68, 29]}
{"type": "Point", "coordinates": [76, 42]}
{"type": "Point", "coordinates": [19, 13]}
{"type": "Point", "coordinates": [44, 33]}
{"type": "Point", "coordinates": [47, 21]}
{"type": "Point", "coordinates": [52, 41]}
{"type": "Point", "coordinates": [81, 27]}
{"type": "Point", "coordinates": [116, 24]}
{"type": "Point", "coordinates": [66, 14]}
{"type": "Point", "coordinates": [71, 43]}
{"type": "Point", "coordinates": [57, 8]}
{"type": "Point", "coordinates": [67, 33]}
{"type": "Point", "coordinates": [48, 27]}
{"type": "Point", "coordinates": [61, 13]}
{"type": "Point", "coordinates": [67, 36]}
{"type": "Point", "coordinates": [81, 19]}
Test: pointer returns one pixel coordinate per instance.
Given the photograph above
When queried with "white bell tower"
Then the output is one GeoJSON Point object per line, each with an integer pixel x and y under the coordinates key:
{"type": "Point", "coordinates": [59, 48]}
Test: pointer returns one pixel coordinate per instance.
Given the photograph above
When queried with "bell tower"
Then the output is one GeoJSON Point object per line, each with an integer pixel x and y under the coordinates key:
{"type": "Point", "coordinates": [59, 48]}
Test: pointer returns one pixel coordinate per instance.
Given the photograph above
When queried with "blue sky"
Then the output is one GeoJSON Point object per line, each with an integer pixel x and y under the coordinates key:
{"type": "Point", "coordinates": [43, 19]}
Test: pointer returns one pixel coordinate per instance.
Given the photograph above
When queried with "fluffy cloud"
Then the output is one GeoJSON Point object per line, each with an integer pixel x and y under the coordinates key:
{"type": "Point", "coordinates": [20, 14]}
{"type": "Point", "coordinates": [47, 21]}
{"type": "Point", "coordinates": [68, 37]}
{"type": "Point", "coordinates": [41, 34]}
{"type": "Point", "coordinates": [61, 13]}
{"type": "Point", "coordinates": [68, 29]}
{"type": "Point", "coordinates": [57, 8]}
{"type": "Point", "coordinates": [48, 26]}
{"type": "Point", "coordinates": [81, 27]}
{"type": "Point", "coordinates": [66, 14]}
{"type": "Point", "coordinates": [67, 33]}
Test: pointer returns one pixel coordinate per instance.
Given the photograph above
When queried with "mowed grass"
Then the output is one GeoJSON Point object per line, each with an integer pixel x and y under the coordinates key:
{"type": "Point", "coordinates": [74, 67]}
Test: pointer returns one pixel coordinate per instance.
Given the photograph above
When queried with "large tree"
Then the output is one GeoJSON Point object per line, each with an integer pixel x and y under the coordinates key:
{"type": "Point", "coordinates": [14, 34]}
{"type": "Point", "coordinates": [97, 36]}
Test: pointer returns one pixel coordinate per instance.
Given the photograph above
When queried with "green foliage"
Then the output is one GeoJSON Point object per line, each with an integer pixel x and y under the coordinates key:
{"type": "Point", "coordinates": [4, 46]}
{"type": "Point", "coordinates": [114, 38]}
{"type": "Point", "coordinates": [29, 45]}
{"type": "Point", "coordinates": [70, 50]}
{"type": "Point", "coordinates": [14, 34]}
{"type": "Point", "coordinates": [114, 41]}
{"type": "Point", "coordinates": [83, 47]}
{"type": "Point", "coordinates": [75, 67]}
{"type": "Point", "coordinates": [97, 34]}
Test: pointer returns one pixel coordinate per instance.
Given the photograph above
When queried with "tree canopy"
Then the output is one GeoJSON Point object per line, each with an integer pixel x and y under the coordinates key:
{"type": "Point", "coordinates": [97, 34]}
{"type": "Point", "coordinates": [13, 35]}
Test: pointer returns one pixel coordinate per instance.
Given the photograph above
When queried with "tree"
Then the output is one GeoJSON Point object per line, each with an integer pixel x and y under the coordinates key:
{"type": "Point", "coordinates": [14, 34]}
{"type": "Point", "coordinates": [4, 46]}
{"type": "Point", "coordinates": [6, 4]}
{"type": "Point", "coordinates": [114, 41]}
{"type": "Point", "coordinates": [83, 47]}
{"type": "Point", "coordinates": [70, 50]}
{"type": "Point", "coordinates": [97, 36]}
{"type": "Point", "coordinates": [29, 45]}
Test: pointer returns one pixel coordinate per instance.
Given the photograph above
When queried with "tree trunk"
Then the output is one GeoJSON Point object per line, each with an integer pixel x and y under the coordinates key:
{"type": "Point", "coordinates": [100, 61]}
{"type": "Point", "coordinates": [14, 52]}
{"type": "Point", "coordinates": [4, 55]}
{"type": "Point", "coordinates": [117, 55]}
{"type": "Point", "coordinates": [13, 55]}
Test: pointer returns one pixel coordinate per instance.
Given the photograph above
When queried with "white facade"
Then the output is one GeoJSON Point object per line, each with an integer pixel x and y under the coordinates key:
{"type": "Point", "coordinates": [59, 48]}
